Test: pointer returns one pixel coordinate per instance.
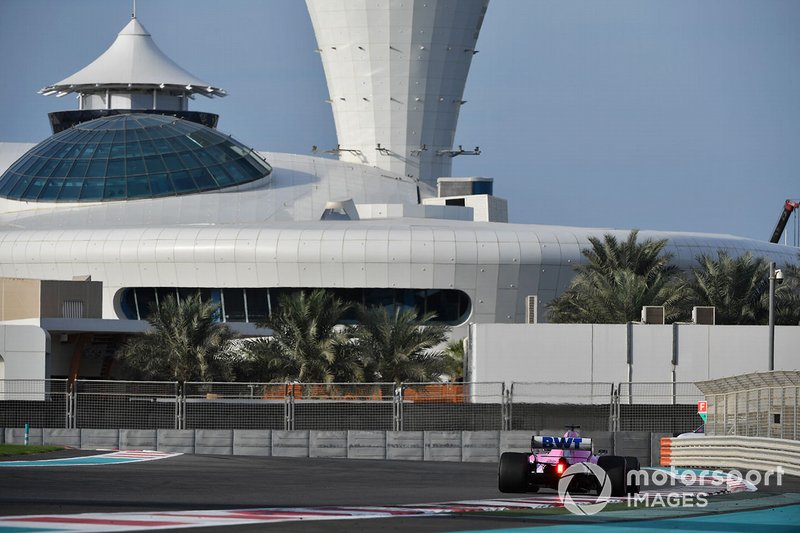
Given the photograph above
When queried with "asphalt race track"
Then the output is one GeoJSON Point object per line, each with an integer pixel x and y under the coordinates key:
{"type": "Point", "coordinates": [193, 482]}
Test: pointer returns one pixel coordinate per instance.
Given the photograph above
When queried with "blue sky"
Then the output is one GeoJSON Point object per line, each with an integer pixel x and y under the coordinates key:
{"type": "Point", "coordinates": [653, 114]}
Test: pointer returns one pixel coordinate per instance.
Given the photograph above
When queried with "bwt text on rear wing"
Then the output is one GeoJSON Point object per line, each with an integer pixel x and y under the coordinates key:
{"type": "Point", "coordinates": [541, 442]}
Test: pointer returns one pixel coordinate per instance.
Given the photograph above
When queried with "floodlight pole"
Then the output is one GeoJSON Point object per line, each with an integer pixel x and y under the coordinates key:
{"type": "Point", "coordinates": [772, 278]}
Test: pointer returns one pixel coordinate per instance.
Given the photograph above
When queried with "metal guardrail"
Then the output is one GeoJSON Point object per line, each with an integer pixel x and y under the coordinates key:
{"type": "Point", "coordinates": [751, 453]}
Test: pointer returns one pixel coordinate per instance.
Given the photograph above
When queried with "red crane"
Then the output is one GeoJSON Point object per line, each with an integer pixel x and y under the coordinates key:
{"type": "Point", "coordinates": [788, 207]}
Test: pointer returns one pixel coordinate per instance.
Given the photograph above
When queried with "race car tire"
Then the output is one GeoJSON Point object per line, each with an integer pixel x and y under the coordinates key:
{"type": "Point", "coordinates": [614, 466]}
{"type": "Point", "coordinates": [631, 463]}
{"type": "Point", "coordinates": [513, 472]}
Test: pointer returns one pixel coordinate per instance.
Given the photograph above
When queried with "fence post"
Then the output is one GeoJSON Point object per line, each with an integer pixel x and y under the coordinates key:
{"type": "Point", "coordinates": [69, 423]}
{"type": "Point", "coordinates": [288, 407]}
{"type": "Point", "coordinates": [613, 409]}
{"type": "Point", "coordinates": [397, 408]}
{"type": "Point", "coordinates": [783, 405]}
{"type": "Point", "coordinates": [507, 402]}
{"type": "Point", "coordinates": [180, 420]}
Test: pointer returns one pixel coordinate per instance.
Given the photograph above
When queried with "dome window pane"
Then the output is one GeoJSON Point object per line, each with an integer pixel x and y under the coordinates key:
{"type": "Point", "coordinates": [97, 168]}
{"type": "Point", "coordinates": [63, 168]}
{"type": "Point", "coordinates": [116, 167]}
{"type": "Point", "coordinates": [138, 187]}
{"type": "Point", "coordinates": [34, 189]}
{"type": "Point", "coordinates": [71, 189]}
{"type": "Point", "coordinates": [49, 166]}
{"type": "Point", "coordinates": [20, 186]}
{"type": "Point", "coordinates": [133, 149]}
{"type": "Point", "coordinates": [52, 189]}
{"type": "Point", "coordinates": [103, 150]}
{"type": "Point", "coordinates": [92, 190]}
{"type": "Point", "coordinates": [9, 183]}
{"type": "Point", "coordinates": [88, 151]}
{"type": "Point", "coordinates": [131, 156]}
{"type": "Point", "coordinates": [78, 170]}
{"type": "Point", "coordinates": [134, 166]}
{"type": "Point", "coordinates": [148, 148]}
{"type": "Point", "coordinates": [203, 179]}
{"type": "Point", "coordinates": [154, 164]}
{"type": "Point", "coordinates": [160, 185]}
{"type": "Point", "coordinates": [183, 181]}
{"type": "Point", "coordinates": [115, 188]}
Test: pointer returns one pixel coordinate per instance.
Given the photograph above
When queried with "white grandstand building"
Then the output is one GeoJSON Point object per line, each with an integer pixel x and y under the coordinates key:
{"type": "Point", "coordinates": [135, 197]}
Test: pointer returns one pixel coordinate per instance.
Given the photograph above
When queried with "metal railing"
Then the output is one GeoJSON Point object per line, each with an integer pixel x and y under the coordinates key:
{"type": "Point", "coordinates": [663, 407]}
{"type": "Point", "coordinates": [548, 405]}
{"type": "Point", "coordinates": [757, 412]}
{"type": "Point", "coordinates": [669, 407]}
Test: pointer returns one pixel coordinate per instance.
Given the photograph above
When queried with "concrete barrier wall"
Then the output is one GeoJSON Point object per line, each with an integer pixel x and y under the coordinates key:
{"type": "Point", "coordinates": [252, 442]}
{"type": "Point", "coordinates": [289, 443]}
{"type": "Point", "coordinates": [480, 446]}
{"type": "Point", "coordinates": [461, 446]}
{"type": "Point", "coordinates": [442, 446]}
{"type": "Point", "coordinates": [175, 440]}
{"type": "Point", "coordinates": [633, 443]}
{"type": "Point", "coordinates": [366, 444]}
{"type": "Point", "coordinates": [405, 445]}
{"type": "Point", "coordinates": [213, 441]}
{"type": "Point", "coordinates": [515, 441]}
{"type": "Point", "coordinates": [62, 437]}
{"type": "Point", "coordinates": [98, 439]}
{"type": "Point", "coordinates": [138, 439]}
{"type": "Point", "coordinates": [327, 444]}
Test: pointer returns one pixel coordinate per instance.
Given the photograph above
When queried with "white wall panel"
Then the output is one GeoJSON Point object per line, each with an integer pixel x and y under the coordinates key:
{"type": "Point", "coordinates": [693, 349]}
{"type": "Point", "coordinates": [652, 352]}
{"type": "Point", "coordinates": [725, 341]}
{"type": "Point", "coordinates": [167, 276]}
{"type": "Point", "coordinates": [377, 275]}
{"type": "Point", "coordinates": [310, 275]}
{"type": "Point", "coordinates": [399, 275]}
{"type": "Point", "coordinates": [245, 276]}
{"type": "Point", "coordinates": [288, 276]}
{"type": "Point", "coordinates": [267, 274]}
{"type": "Point", "coordinates": [355, 275]}
{"type": "Point", "coordinates": [376, 251]}
{"type": "Point", "coordinates": [225, 276]}
{"type": "Point", "coordinates": [224, 250]}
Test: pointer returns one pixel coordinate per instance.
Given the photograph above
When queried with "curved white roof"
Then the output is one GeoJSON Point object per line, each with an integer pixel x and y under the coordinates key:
{"type": "Point", "coordinates": [133, 60]}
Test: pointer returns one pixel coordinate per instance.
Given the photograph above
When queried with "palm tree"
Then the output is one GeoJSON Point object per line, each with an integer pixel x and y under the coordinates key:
{"type": "Point", "coordinates": [619, 279]}
{"type": "Point", "coordinates": [642, 258]}
{"type": "Point", "coordinates": [787, 297]}
{"type": "Point", "coordinates": [400, 347]}
{"type": "Point", "coordinates": [454, 359]}
{"type": "Point", "coordinates": [736, 287]}
{"type": "Point", "coordinates": [185, 343]}
{"type": "Point", "coordinates": [306, 344]}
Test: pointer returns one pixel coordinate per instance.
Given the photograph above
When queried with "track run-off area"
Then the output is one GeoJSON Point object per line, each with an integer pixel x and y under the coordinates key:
{"type": "Point", "coordinates": [128, 491]}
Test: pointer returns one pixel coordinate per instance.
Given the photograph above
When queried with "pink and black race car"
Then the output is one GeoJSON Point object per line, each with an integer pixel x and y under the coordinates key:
{"type": "Point", "coordinates": [550, 458]}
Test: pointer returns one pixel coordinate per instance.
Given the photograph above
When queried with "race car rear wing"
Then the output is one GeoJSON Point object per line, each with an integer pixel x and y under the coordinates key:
{"type": "Point", "coordinates": [541, 442]}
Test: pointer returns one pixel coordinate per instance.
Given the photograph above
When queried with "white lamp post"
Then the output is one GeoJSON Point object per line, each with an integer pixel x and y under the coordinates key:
{"type": "Point", "coordinates": [775, 274]}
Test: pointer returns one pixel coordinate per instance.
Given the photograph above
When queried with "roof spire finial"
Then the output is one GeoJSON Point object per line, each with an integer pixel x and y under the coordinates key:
{"type": "Point", "coordinates": [133, 15]}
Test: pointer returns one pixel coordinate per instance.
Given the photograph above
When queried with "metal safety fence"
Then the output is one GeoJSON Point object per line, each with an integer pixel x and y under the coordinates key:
{"type": "Point", "coordinates": [38, 403]}
{"type": "Point", "coordinates": [548, 405]}
{"type": "Point", "coordinates": [757, 412]}
{"type": "Point", "coordinates": [660, 407]}
{"type": "Point", "coordinates": [595, 406]}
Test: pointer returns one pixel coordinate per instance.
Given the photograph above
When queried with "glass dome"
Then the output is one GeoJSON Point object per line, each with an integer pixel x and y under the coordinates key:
{"type": "Point", "coordinates": [130, 156]}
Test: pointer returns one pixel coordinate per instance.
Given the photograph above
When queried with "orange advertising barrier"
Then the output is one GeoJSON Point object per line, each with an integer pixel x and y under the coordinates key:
{"type": "Point", "coordinates": [436, 393]}
{"type": "Point", "coordinates": [666, 451]}
{"type": "Point", "coordinates": [430, 393]}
